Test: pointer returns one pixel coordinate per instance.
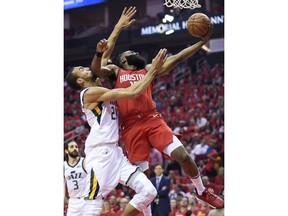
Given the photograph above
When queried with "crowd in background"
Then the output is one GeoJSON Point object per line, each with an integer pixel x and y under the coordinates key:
{"type": "Point", "coordinates": [192, 104]}
{"type": "Point", "coordinates": [191, 100]}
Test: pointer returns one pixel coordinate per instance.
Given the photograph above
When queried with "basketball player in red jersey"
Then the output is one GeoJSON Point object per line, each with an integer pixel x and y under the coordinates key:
{"type": "Point", "coordinates": [141, 124]}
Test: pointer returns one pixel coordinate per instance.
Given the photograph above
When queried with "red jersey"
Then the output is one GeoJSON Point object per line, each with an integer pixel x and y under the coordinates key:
{"type": "Point", "coordinates": [143, 104]}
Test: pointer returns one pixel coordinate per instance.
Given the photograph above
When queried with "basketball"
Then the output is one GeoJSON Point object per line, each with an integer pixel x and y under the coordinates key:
{"type": "Point", "coordinates": [198, 24]}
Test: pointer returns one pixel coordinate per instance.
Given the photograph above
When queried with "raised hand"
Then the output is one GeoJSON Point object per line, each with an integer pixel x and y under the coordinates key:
{"type": "Point", "coordinates": [208, 35]}
{"type": "Point", "coordinates": [126, 16]}
{"type": "Point", "coordinates": [159, 60]}
{"type": "Point", "coordinates": [102, 46]}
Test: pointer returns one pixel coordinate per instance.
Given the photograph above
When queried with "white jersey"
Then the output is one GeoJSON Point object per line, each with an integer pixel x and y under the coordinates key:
{"type": "Point", "coordinates": [103, 121]}
{"type": "Point", "coordinates": [76, 178]}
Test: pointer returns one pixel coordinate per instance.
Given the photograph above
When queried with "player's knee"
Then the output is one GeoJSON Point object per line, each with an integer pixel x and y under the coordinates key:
{"type": "Point", "coordinates": [145, 196]}
{"type": "Point", "coordinates": [181, 155]}
{"type": "Point", "coordinates": [145, 190]}
{"type": "Point", "coordinates": [150, 191]}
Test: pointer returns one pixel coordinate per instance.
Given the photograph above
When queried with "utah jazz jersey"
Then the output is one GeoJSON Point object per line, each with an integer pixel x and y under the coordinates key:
{"type": "Point", "coordinates": [103, 121]}
{"type": "Point", "coordinates": [76, 178]}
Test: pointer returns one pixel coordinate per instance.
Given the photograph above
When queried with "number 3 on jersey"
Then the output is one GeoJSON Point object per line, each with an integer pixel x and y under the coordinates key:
{"type": "Point", "coordinates": [75, 184]}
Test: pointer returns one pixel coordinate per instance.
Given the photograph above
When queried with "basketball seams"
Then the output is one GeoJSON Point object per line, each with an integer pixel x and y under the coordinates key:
{"type": "Point", "coordinates": [193, 20]}
{"type": "Point", "coordinates": [203, 33]}
{"type": "Point", "coordinates": [198, 24]}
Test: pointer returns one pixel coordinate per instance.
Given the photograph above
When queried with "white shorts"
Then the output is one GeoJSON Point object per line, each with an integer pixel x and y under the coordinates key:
{"type": "Point", "coordinates": [106, 166]}
{"type": "Point", "coordinates": [75, 206]}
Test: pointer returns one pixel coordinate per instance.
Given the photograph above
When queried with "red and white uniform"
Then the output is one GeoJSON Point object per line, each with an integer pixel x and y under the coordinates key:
{"type": "Point", "coordinates": [142, 125]}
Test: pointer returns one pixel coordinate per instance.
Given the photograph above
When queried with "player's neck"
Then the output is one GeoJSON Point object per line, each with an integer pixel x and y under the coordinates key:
{"type": "Point", "coordinates": [89, 84]}
{"type": "Point", "coordinates": [73, 161]}
{"type": "Point", "coordinates": [130, 67]}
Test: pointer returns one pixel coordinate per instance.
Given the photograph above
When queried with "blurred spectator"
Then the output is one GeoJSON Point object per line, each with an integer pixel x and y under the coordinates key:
{"type": "Point", "coordinates": [178, 199]}
{"type": "Point", "coordinates": [174, 208]}
{"type": "Point", "coordinates": [212, 164]}
{"type": "Point", "coordinates": [199, 149]}
{"type": "Point", "coordinates": [183, 210]}
{"type": "Point", "coordinates": [123, 202]}
{"type": "Point", "coordinates": [203, 210]}
{"type": "Point", "coordinates": [174, 193]}
{"type": "Point", "coordinates": [200, 119]}
{"type": "Point", "coordinates": [219, 179]}
{"type": "Point", "coordinates": [174, 178]}
{"type": "Point", "coordinates": [196, 96]}
{"type": "Point", "coordinates": [201, 166]}
{"type": "Point", "coordinates": [175, 103]}
{"type": "Point", "coordinates": [113, 203]}
{"type": "Point", "coordinates": [192, 201]}
{"type": "Point", "coordinates": [181, 128]}
{"type": "Point", "coordinates": [161, 203]}
{"type": "Point", "coordinates": [106, 210]}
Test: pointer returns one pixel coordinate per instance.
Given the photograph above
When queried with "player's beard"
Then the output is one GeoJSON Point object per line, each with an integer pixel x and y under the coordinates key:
{"type": "Point", "coordinates": [92, 78]}
{"type": "Point", "coordinates": [73, 154]}
{"type": "Point", "coordinates": [138, 61]}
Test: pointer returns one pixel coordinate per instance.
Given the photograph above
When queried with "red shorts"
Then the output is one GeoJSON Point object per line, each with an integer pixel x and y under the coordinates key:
{"type": "Point", "coordinates": [148, 130]}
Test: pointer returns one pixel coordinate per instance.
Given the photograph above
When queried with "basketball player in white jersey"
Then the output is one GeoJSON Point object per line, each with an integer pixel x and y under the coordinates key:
{"type": "Point", "coordinates": [75, 179]}
{"type": "Point", "coordinates": [105, 162]}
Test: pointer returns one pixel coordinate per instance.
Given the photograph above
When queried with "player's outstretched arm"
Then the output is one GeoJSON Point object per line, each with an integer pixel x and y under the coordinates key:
{"type": "Point", "coordinates": [124, 22]}
{"type": "Point", "coordinates": [186, 53]}
{"type": "Point", "coordinates": [97, 94]}
{"type": "Point", "coordinates": [101, 48]}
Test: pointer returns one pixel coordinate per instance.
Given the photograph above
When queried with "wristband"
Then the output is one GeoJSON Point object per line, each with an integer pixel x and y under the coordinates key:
{"type": "Point", "coordinates": [99, 54]}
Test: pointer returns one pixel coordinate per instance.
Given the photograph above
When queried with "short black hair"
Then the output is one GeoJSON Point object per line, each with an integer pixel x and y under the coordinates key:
{"type": "Point", "coordinates": [71, 79]}
{"type": "Point", "coordinates": [65, 148]}
{"type": "Point", "coordinates": [66, 145]}
{"type": "Point", "coordinates": [118, 63]}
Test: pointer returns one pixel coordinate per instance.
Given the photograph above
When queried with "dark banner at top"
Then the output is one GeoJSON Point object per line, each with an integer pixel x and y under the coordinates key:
{"type": "Point", "coordinates": [70, 4]}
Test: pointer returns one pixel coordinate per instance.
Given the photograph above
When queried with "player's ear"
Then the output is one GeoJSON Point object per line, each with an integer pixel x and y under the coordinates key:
{"type": "Point", "coordinates": [123, 61]}
{"type": "Point", "coordinates": [79, 81]}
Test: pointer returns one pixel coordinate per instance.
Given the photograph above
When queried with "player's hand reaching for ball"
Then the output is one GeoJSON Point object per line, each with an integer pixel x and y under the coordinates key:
{"type": "Point", "coordinates": [102, 46]}
{"type": "Point", "coordinates": [158, 61]}
{"type": "Point", "coordinates": [208, 35]}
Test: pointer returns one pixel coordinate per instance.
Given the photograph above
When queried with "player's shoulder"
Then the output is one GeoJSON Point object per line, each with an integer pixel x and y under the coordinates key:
{"type": "Point", "coordinates": [65, 164]}
{"type": "Point", "coordinates": [112, 67]}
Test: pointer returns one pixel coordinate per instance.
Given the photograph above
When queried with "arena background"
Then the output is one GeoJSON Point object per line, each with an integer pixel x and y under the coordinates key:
{"type": "Point", "coordinates": [32, 38]}
{"type": "Point", "coordinates": [85, 26]}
